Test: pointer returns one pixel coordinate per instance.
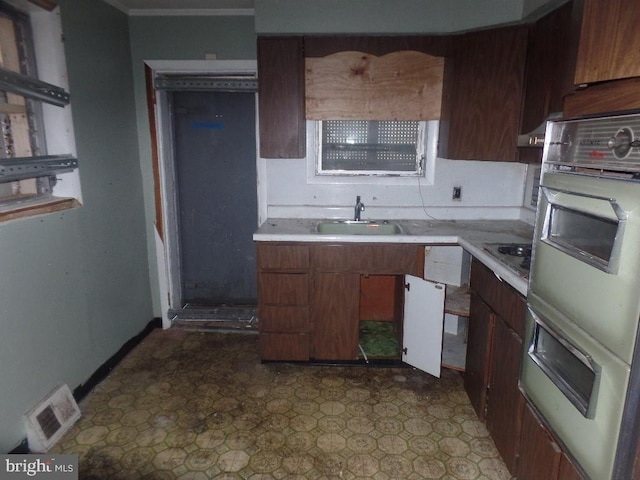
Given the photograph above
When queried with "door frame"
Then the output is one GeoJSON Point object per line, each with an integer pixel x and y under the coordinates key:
{"type": "Point", "coordinates": [167, 239]}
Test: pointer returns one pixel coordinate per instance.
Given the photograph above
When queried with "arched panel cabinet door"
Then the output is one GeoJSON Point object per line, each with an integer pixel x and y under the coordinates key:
{"type": "Point", "coordinates": [423, 324]}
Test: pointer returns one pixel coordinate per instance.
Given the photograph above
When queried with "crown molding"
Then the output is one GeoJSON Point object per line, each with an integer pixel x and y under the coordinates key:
{"type": "Point", "coordinates": [180, 12]}
{"type": "Point", "coordinates": [118, 5]}
{"type": "Point", "coordinates": [190, 12]}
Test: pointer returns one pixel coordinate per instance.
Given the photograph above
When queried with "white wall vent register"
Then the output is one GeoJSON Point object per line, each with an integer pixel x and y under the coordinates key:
{"type": "Point", "coordinates": [51, 419]}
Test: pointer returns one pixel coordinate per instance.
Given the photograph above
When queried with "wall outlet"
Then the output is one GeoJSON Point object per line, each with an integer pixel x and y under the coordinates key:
{"type": "Point", "coordinates": [457, 193]}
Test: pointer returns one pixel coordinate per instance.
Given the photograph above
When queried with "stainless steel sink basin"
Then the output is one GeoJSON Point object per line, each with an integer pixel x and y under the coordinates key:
{"type": "Point", "coordinates": [364, 227]}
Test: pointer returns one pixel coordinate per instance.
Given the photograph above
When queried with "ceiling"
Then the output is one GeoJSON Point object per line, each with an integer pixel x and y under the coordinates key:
{"type": "Point", "coordinates": [132, 6]}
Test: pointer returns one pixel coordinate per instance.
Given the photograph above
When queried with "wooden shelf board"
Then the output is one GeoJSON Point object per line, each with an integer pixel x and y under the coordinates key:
{"type": "Point", "coordinates": [457, 300]}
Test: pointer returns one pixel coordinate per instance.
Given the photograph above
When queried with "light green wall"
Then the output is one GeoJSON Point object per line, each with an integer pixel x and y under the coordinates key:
{"type": "Point", "coordinates": [537, 7]}
{"type": "Point", "coordinates": [389, 16]}
{"type": "Point", "coordinates": [178, 38]}
{"type": "Point", "coordinates": [75, 285]}
{"type": "Point", "coordinates": [382, 16]}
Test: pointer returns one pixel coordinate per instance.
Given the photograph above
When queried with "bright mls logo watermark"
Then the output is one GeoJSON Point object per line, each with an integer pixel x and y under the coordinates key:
{"type": "Point", "coordinates": [51, 467]}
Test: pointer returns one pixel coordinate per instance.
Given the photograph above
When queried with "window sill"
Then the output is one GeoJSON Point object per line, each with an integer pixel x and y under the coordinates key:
{"type": "Point", "coordinates": [37, 206]}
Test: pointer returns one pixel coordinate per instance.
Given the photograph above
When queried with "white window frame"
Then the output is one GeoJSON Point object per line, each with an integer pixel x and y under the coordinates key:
{"type": "Point", "coordinates": [418, 166]}
{"type": "Point", "coordinates": [50, 62]}
{"type": "Point", "coordinates": [429, 144]}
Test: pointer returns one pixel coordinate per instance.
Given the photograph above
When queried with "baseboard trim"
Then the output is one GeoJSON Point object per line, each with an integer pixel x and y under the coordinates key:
{"type": "Point", "coordinates": [81, 391]}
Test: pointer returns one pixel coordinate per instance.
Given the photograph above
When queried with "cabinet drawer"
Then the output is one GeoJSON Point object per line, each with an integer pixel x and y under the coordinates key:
{"type": "Point", "coordinates": [283, 319]}
{"type": "Point", "coordinates": [365, 258]}
{"type": "Point", "coordinates": [284, 346]}
{"type": "Point", "coordinates": [283, 288]}
{"type": "Point", "coordinates": [283, 257]}
{"type": "Point", "coordinates": [500, 296]}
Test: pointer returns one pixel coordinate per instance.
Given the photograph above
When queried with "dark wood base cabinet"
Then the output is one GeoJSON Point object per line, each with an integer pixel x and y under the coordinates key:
{"type": "Point", "coordinates": [494, 350]}
{"type": "Point", "coordinates": [540, 455]}
{"type": "Point", "coordinates": [309, 295]}
{"type": "Point", "coordinates": [494, 353]}
{"type": "Point", "coordinates": [283, 306]}
{"type": "Point", "coordinates": [280, 346]}
{"type": "Point", "coordinates": [504, 412]}
{"type": "Point", "coordinates": [478, 361]}
{"type": "Point", "coordinates": [335, 333]}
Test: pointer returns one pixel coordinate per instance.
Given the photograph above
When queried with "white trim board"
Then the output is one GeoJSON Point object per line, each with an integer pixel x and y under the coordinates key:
{"type": "Point", "coordinates": [180, 12]}
{"type": "Point", "coordinates": [195, 67]}
{"type": "Point", "coordinates": [191, 12]}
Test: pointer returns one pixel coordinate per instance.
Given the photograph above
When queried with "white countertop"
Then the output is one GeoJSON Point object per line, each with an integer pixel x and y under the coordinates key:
{"type": "Point", "coordinates": [471, 235]}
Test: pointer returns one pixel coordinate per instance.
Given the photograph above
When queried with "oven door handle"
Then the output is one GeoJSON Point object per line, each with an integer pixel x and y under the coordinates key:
{"type": "Point", "coordinates": [579, 354]}
{"type": "Point", "coordinates": [620, 213]}
{"type": "Point", "coordinates": [552, 197]}
{"type": "Point", "coordinates": [584, 402]}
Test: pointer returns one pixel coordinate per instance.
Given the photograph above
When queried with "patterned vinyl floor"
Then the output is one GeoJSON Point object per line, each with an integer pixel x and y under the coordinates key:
{"type": "Point", "coordinates": [191, 405]}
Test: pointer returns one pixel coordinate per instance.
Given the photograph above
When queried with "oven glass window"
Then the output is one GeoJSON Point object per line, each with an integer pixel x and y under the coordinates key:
{"type": "Point", "coordinates": [583, 233]}
{"type": "Point", "coordinates": [569, 369]}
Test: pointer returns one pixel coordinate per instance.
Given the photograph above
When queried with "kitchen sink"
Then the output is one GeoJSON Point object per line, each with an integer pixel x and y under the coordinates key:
{"type": "Point", "coordinates": [363, 227]}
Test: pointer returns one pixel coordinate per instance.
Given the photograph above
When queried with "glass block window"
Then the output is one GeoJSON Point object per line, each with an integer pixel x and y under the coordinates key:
{"type": "Point", "coordinates": [371, 147]}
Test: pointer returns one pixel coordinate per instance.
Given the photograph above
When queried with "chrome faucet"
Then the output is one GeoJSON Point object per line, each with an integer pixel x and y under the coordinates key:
{"type": "Point", "coordinates": [359, 209]}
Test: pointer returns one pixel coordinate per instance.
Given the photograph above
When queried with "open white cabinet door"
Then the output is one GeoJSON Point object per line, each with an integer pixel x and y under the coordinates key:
{"type": "Point", "coordinates": [423, 324]}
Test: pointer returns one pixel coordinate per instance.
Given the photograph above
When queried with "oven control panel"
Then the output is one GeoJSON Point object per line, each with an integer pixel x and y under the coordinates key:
{"type": "Point", "coordinates": [603, 143]}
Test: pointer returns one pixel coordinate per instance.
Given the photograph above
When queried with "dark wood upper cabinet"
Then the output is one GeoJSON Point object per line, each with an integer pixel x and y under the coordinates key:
{"type": "Point", "coordinates": [498, 82]}
{"type": "Point", "coordinates": [482, 98]}
{"type": "Point", "coordinates": [598, 98]}
{"type": "Point", "coordinates": [609, 41]}
{"type": "Point", "coordinates": [606, 66]}
{"type": "Point", "coordinates": [551, 59]}
{"type": "Point", "coordinates": [281, 97]}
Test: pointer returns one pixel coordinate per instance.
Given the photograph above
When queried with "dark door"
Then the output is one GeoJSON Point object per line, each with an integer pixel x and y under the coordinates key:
{"type": "Point", "coordinates": [504, 408]}
{"type": "Point", "coordinates": [215, 152]}
{"type": "Point", "coordinates": [335, 313]}
{"type": "Point", "coordinates": [479, 344]}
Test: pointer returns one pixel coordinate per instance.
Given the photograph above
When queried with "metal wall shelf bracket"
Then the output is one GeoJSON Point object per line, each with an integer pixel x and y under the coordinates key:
{"type": "Point", "coordinates": [21, 168]}
{"type": "Point", "coordinates": [13, 82]}
{"type": "Point", "coordinates": [227, 83]}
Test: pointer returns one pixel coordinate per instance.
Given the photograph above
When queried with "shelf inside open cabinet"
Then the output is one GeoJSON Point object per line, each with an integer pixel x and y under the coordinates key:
{"type": "Point", "coordinates": [457, 300]}
{"type": "Point", "coordinates": [454, 347]}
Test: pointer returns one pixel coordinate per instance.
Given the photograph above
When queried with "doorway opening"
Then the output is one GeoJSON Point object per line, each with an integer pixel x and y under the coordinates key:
{"type": "Point", "coordinates": [207, 160]}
